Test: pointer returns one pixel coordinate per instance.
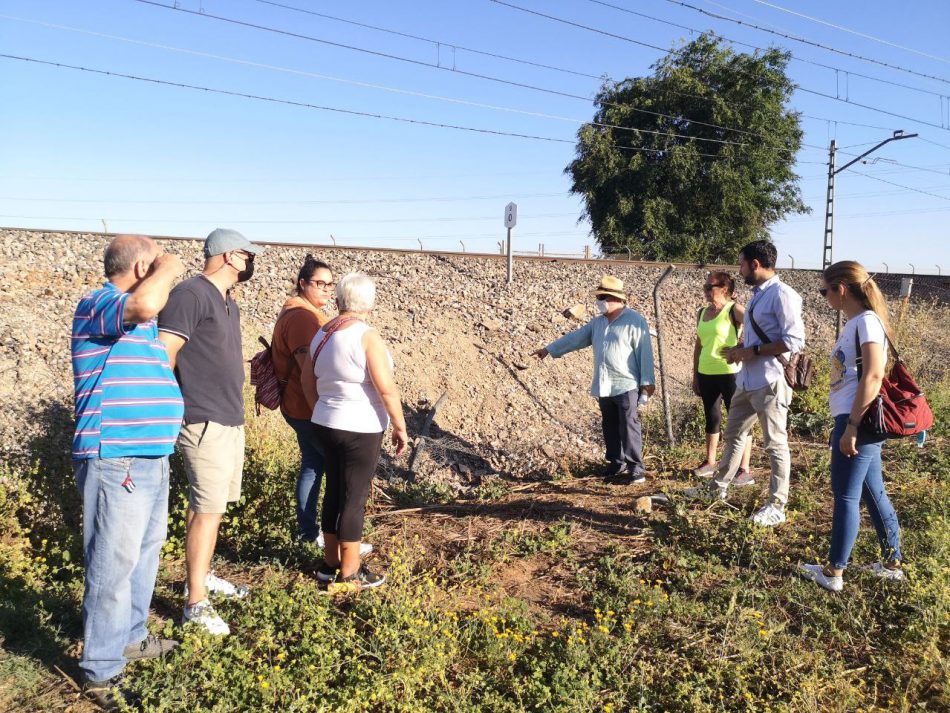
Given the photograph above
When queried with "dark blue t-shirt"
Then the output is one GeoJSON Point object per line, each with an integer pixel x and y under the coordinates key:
{"type": "Point", "coordinates": [210, 365]}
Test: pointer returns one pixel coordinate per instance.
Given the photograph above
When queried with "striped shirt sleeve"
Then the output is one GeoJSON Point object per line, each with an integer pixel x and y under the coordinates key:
{"type": "Point", "coordinates": [106, 315]}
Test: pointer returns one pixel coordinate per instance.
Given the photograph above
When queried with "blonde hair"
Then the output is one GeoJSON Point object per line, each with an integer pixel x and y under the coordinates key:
{"type": "Point", "coordinates": [862, 287]}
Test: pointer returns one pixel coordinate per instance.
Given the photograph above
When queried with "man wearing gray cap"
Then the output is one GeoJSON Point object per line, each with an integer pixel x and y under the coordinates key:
{"type": "Point", "coordinates": [201, 329]}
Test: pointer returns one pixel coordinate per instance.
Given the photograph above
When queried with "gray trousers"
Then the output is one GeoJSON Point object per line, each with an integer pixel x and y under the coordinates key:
{"type": "Point", "coordinates": [770, 405]}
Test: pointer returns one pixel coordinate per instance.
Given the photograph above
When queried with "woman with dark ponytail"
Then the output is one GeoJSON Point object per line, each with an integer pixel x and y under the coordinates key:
{"type": "Point", "coordinates": [856, 455]}
{"type": "Point", "coordinates": [299, 320]}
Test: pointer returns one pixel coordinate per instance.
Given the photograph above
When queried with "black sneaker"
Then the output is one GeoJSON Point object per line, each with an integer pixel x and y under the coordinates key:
{"type": "Point", "coordinates": [326, 573]}
{"type": "Point", "coordinates": [363, 578]}
{"type": "Point", "coordinates": [627, 478]}
{"type": "Point", "coordinates": [109, 695]}
{"type": "Point", "coordinates": [151, 647]}
{"type": "Point", "coordinates": [613, 470]}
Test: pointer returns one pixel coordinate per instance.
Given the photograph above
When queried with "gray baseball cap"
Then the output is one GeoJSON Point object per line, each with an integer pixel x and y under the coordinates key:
{"type": "Point", "coordinates": [222, 240]}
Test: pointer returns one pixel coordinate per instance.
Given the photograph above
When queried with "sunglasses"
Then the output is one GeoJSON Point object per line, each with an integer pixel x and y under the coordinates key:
{"type": "Point", "coordinates": [823, 291]}
{"type": "Point", "coordinates": [709, 288]}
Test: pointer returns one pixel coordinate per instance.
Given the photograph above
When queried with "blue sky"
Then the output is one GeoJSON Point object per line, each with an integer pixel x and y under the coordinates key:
{"type": "Point", "coordinates": [79, 148]}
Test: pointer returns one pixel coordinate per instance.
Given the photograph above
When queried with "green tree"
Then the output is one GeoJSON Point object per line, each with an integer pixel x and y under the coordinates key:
{"type": "Point", "coordinates": [693, 162]}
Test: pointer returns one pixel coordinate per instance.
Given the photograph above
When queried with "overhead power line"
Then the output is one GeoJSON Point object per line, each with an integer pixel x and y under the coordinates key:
{"type": "Point", "coordinates": [562, 69]}
{"type": "Point", "coordinates": [812, 43]}
{"type": "Point", "coordinates": [846, 123]}
{"type": "Point", "coordinates": [307, 105]}
{"type": "Point", "coordinates": [477, 75]}
{"type": "Point", "coordinates": [368, 85]}
{"type": "Point", "coordinates": [943, 146]}
{"type": "Point", "coordinates": [282, 221]}
{"type": "Point", "coordinates": [397, 90]}
{"type": "Point", "coordinates": [871, 108]}
{"type": "Point", "coordinates": [362, 201]}
{"type": "Point", "coordinates": [762, 49]}
{"type": "Point", "coordinates": [290, 102]}
{"type": "Point", "coordinates": [890, 162]}
{"type": "Point", "coordinates": [901, 185]}
{"type": "Point", "coordinates": [645, 44]}
{"type": "Point", "coordinates": [853, 32]}
{"type": "Point", "coordinates": [437, 43]}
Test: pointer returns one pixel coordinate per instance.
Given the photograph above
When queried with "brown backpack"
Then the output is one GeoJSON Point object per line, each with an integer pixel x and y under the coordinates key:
{"type": "Point", "coordinates": [799, 369]}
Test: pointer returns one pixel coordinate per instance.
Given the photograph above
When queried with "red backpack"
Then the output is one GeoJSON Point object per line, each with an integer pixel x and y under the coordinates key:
{"type": "Point", "coordinates": [900, 409]}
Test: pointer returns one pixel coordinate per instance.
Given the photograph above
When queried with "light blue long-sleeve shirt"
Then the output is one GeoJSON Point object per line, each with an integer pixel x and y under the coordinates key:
{"type": "Point", "coordinates": [623, 353]}
{"type": "Point", "coordinates": [778, 311]}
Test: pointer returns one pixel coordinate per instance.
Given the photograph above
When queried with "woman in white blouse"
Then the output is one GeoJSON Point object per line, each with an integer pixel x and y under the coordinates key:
{"type": "Point", "coordinates": [357, 398]}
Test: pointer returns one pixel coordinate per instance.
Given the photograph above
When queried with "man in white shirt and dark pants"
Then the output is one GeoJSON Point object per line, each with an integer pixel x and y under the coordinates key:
{"type": "Point", "coordinates": [761, 390]}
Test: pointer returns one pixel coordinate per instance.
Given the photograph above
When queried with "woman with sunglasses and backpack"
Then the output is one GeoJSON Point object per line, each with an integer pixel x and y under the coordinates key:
{"type": "Point", "coordinates": [718, 327]}
{"type": "Point", "coordinates": [858, 363]}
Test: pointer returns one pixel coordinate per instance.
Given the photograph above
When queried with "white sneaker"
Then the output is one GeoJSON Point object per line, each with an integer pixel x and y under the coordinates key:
{"type": "Point", "coordinates": [769, 516]}
{"type": "Point", "coordinates": [815, 572]}
{"type": "Point", "coordinates": [879, 570]}
{"type": "Point", "coordinates": [218, 585]}
{"type": "Point", "coordinates": [203, 614]}
{"type": "Point", "coordinates": [365, 547]}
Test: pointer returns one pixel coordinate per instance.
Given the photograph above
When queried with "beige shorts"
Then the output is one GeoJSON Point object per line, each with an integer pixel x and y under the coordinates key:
{"type": "Point", "coordinates": [214, 459]}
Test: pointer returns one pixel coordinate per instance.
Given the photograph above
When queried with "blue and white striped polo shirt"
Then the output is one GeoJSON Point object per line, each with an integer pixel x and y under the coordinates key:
{"type": "Point", "coordinates": [127, 399]}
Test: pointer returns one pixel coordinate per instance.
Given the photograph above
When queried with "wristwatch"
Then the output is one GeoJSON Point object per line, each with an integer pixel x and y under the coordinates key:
{"type": "Point", "coordinates": [756, 349]}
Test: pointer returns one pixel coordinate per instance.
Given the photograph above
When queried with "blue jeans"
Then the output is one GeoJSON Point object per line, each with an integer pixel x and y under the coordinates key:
{"type": "Point", "coordinates": [853, 480]}
{"type": "Point", "coordinates": [309, 478]}
{"type": "Point", "coordinates": [122, 537]}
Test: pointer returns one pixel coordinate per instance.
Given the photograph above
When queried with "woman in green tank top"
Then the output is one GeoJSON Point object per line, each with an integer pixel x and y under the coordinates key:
{"type": "Point", "coordinates": [718, 327]}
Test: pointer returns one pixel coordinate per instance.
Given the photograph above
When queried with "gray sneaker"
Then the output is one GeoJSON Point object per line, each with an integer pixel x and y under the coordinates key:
{"type": "Point", "coordinates": [893, 573]}
{"type": "Point", "coordinates": [743, 478]}
{"type": "Point", "coordinates": [709, 492]}
{"type": "Point", "coordinates": [151, 647]}
{"type": "Point", "coordinates": [706, 470]}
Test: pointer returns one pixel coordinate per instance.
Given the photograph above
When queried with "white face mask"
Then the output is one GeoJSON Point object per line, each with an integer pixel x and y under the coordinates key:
{"type": "Point", "coordinates": [601, 306]}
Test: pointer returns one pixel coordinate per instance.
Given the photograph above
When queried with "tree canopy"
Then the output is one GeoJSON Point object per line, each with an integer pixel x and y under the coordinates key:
{"type": "Point", "coordinates": [691, 163]}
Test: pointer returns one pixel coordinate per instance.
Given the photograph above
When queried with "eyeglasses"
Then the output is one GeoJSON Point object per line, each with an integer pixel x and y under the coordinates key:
{"type": "Point", "coordinates": [823, 291]}
{"type": "Point", "coordinates": [247, 257]}
{"type": "Point", "coordinates": [321, 285]}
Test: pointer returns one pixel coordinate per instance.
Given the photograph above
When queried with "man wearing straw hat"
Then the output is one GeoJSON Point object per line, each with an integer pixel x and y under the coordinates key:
{"type": "Point", "coordinates": [623, 375]}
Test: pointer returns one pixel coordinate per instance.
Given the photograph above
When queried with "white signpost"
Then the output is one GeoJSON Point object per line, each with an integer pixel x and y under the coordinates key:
{"type": "Point", "coordinates": [511, 219]}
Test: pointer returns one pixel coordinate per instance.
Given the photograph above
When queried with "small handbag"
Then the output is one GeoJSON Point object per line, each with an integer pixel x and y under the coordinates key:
{"type": "Point", "coordinates": [799, 369]}
{"type": "Point", "coordinates": [900, 409]}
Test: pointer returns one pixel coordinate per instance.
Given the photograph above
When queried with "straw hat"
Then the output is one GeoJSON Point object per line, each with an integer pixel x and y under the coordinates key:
{"type": "Point", "coordinates": [610, 286]}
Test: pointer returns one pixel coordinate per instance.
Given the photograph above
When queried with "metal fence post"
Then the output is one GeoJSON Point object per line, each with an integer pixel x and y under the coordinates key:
{"type": "Point", "coordinates": [667, 413]}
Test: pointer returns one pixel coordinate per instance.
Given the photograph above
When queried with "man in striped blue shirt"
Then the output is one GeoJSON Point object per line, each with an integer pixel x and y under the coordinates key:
{"type": "Point", "coordinates": [128, 413]}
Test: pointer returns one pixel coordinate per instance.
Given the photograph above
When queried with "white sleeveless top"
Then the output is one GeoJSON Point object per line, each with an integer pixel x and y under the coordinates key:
{"type": "Point", "coordinates": [347, 399]}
